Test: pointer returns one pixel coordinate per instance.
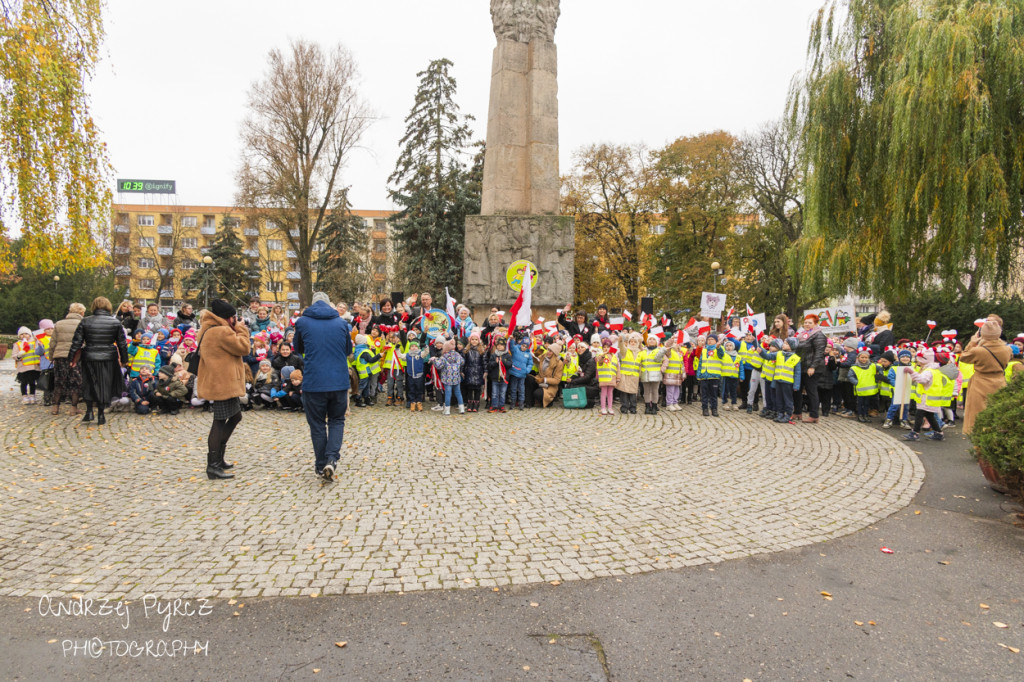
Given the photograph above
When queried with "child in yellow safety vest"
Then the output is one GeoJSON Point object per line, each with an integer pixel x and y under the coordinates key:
{"type": "Point", "coordinates": [26, 362]}
{"type": "Point", "coordinates": [864, 377]}
{"type": "Point", "coordinates": [650, 373]}
{"type": "Point", "coordinates": [393, 365]}
{"type": "Point", "coordinates": [732, 374]}
{"type": "Point", "coordinates": [629, 371]}
{"type": "Point", "coordinates": [673, 374]}
{"type": "Point", "coordinates": [786, 381]}
{"type": "Point", "coordinates": [142, 355]}
{"type": "Point", "coordinates": [709, 373]}
{"type": "Point", "coordinates": [898, 414]}
{"type": "Point", "coordinates": [932, 387]}
{"type": "Point", "coordinates": [607, 376]}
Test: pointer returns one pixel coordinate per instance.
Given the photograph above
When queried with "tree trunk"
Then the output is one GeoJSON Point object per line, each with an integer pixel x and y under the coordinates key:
{"type": "Point", "coordinates": [305, 282]}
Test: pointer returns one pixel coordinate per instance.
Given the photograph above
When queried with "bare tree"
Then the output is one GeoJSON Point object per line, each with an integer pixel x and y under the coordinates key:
{"type": "Point", "coordinates": [305, 118]}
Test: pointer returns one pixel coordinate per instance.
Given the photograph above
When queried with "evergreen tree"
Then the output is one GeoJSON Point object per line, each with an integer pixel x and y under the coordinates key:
{"type": "Point", "coordinates": [914, 136]}
{"type": "Point", "coordinates": [231, 276]}
{"type": "Point", "coordinates": [343, 263]}
{"type": "Point", "coordinates": [433, 186]}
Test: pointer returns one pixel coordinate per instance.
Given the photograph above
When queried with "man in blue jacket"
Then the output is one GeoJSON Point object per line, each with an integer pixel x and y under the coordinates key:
{"type": "Point", "coordinates": [325, 341]}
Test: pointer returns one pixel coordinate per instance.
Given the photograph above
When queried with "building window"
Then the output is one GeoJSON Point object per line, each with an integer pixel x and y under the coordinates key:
{"type": "Point", "coordinates": [232, 222]}
{"type": "Point", "coordinates": [380, 224]}
{"type": "Point", "coordinates": [209, 221]}
{"type": "Point", "coordinates": [147, 242]}
{"type": "Point", "coordinates": [145, 220]}
{"type": "Point", "coordinates": [147, 284]}
{"type": "Point", "coordinates": [122, 218]}
{"type": "Point", "coordinates": [274, 245]}
{"type": "Point", "coordinates": [271, 225]}
{"type": "Point", "coordinates": [275, 287]}
{"type": "Point", "coordinates": [189, 264]}
{"type": "Point", "coordinates": [189, 221]}
{"type": "Point", "coordinates": [147, 263]}
{"type": "Point", "coordinates": [190, 243]}
{"type": "Point", "coordinates": [293, 265]}
{"type": "Point", "coordinates": [657, 229]}
{"type": "Point", "coordinates": [293, 286]}
{"type": "Point", "coordinates": [381, 269]}
{"type": "Point", "coordinates": [165, 241]}
{"type": "Point", "coordinates": [275, 265]}
{"type": "Point", "coordinates": [380, 246]}
{"type": "Point", "coordinates": [250, 243]}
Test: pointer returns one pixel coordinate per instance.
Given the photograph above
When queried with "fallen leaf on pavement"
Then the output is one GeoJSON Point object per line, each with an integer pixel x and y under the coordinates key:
{"type": "Point", "coordinates": [858, 622]}
{"type": "Point", "coordinates": [826, 594]}
{"type": "Point", "coordinates": [999, 625]}
{"type": "Point", "coordinates": [983, 606]}
{"type": "Point", "coordinates": [340, 645]}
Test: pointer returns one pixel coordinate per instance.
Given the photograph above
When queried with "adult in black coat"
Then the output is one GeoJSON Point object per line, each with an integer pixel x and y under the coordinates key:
{"type": "Point", "coordinates": [587, 377]}
{"type": "Point", "coordinates": [185, 316]}
{"type": "Point", "coordinates": [811, 344]}
{"type": "Point", "coordinates": [101, 339]}
{"type": "Point", "coordinates": [600, 323]}
{"type": "Point", "coordinates": [578, 325]}
{"type": "Point", "coordinates": [387, 318]}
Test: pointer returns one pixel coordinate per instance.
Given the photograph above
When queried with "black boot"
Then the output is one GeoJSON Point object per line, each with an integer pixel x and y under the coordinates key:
{"type": "Point", "coordinates": [88, 413]}
{"type": "Point", "coordinates": [714, 411]}
{"type": "Point", "coordinates": [213, 470]}
{"type": "Point", "coordinates": [654, 408]}
{"type": "Point", "coordinates": [101, 418]}
{"type": "Point", "coordinates": [705, 412]}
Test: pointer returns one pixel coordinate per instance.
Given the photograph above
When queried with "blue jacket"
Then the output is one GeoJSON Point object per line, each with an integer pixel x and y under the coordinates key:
{"type": "Point", "coordinates": [325, 342]}
{"type": "Point", "coordinates": [522, 361]}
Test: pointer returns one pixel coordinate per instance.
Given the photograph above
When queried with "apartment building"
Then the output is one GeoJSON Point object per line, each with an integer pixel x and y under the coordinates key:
{"type": "Point", "coordinates": [157, 247]}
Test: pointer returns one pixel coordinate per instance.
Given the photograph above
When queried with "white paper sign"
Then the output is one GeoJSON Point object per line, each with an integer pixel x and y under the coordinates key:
{"type": "Point", "coordinates": [834, 320]}
{"type": "Point", "coordinates": [845, 321]}
{"type": "Point", "coordinates": [712, 305]}
{"type": "Point", "coordinates": [758, 322]}
{"type": "Point", "coordinates": [901, 391]}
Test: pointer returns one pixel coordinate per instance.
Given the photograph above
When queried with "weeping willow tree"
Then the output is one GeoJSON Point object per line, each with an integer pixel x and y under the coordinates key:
{"type": "Point", "coordinates": [914, 137]}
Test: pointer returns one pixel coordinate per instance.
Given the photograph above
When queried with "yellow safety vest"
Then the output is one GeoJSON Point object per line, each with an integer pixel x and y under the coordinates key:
{"type": "Point", "coordinates": [935, 396]}
{"type": "Point", "coordinates": [967, 369]}
{"type": "Point", "coordinates": [606, 373]}
{"type": "Point", "coordinates": [730, 367]}
{"type": "Point", "coordinates": [867, 385]}
{"type": "Point", "coordinates": [751, 355]}
{"type": "Point", "coordinates": [675, 362]}
{"type": "Point", "coordinates": [362, 366]}
{"type": "Point", "coordinates": [31, 357]}
{"type": "Point", "coordinates": [630, 364]}
{"type": "Point", "coordinates": [885, 389]}
{"type": "Point", "coordinates": [144, 357]}
{"type": "Point", "coordinates": [950, 388]}
{"type": "Point", "coordinates": [45, 343]}
{"type": "Point", "coordinates": [648, 362]}
{"type": "Point", "coordinates": [768, 369]}
{"type": "Point", "coordinates": [1009, 369]}
{"type": "Point", "coordinates": [709, 364]}
{"type": "Point", "coordinates": [394, 357]}
{"type": "Point", "coordinates": [570, 366]}
{"type": "Point", "coordinates": [785, 369]}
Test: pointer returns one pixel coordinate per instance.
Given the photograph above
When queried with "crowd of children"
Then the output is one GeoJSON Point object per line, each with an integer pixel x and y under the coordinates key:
{"type": "Point", "coordinates": [472, 365]}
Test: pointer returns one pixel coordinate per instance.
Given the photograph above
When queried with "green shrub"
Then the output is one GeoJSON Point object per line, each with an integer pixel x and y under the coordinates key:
{"type": "Point", "coordinates": [998, 435]}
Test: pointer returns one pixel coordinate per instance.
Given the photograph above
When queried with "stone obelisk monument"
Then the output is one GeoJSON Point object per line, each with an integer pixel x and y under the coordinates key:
{"type": "Point", "coordinates": [520, 203]}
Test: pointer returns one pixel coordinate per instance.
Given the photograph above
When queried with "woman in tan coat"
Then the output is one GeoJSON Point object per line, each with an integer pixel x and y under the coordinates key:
{"type": "Point", "coordinates": [223, 342]}
{"type": "Point", "coordinates": [989, 355]}
{"type": "Point", "coordinates": [67, 380]}
{"type": "Point", "coordinates": [549, 374]}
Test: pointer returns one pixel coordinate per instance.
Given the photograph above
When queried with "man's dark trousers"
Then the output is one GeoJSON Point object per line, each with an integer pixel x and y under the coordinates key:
{"type": "Point", "coordinates": [325, 414]}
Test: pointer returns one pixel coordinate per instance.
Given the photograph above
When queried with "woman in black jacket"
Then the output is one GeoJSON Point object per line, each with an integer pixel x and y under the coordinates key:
{"type": "Point", "coordinates": [100, 337]}
{"type": "Point", "coordinates": [286, 357]}
{"type": "Point", "coordinates": [588, 374]}
{"type": "Point", "coordinates": [811, 343]}
{"type": "Point", "coordinates": [388, 319]}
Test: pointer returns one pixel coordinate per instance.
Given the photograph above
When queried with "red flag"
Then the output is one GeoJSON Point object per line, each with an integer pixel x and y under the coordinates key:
{"type": "Point", "coordinates": [615, 323]}
{"type": "Point", "coordinates": [732, 311]}
{"type": "Point", "coordinates": [628, 315]}
{"type": "Point", "coordinates": [750, 311]}
{"type": "Point", "coordinates": [658, 331]}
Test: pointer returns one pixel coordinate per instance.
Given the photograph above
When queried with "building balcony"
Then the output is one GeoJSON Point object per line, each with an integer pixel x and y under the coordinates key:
{"type": "Point", "coordinates": [121, 250]}
{"type": "Point", "coordinates": [166, 293]}
{"type": "Point", "coordinates": [123, 270]}
{"type": "Point", "coordinates": [251, 232]}
{"type": "Point", "coordinates": [165, 229]}
{"type": "Point", "coordinates": [204, 250]}
{"type": "Point", "coordinates": [294, 274]}
{"type": "Point", "coordinates": [294, 233]}
{"type": "Point", "coordinates": [379, 234]}
{"type": "Point", "coordinates": [164, 251]}
{"type": "Point", "coordinates": [251, 253]}
{"type": "Point", "coordinates": [166, 272]}
{"type": "Point", "coordinates": [292, 296]}
{"type": "Point", "coordinates": [290, 254]}
{"type": "Point", "coordinates": [379, 257]}
{"type": "Point", "coordinates": [207, 229]}
{"type": "Point", "coordinates": [122, 229]}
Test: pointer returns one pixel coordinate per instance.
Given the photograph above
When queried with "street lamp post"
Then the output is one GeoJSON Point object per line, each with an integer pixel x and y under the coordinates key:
{"type": "Point", "coordinates": [56, 280]}
{"type": "Point", "coordinates": [716, 271]}
{"type": "Point", "coordinates": [207, 262]}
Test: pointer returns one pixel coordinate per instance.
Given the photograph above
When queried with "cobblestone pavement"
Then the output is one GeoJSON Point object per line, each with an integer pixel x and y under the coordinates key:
{"type": "Point", "coordinates": [422, 501]}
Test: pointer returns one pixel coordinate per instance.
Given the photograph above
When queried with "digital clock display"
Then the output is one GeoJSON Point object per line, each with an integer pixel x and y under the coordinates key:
{"type": "Point", "coordinates": [147, 186]}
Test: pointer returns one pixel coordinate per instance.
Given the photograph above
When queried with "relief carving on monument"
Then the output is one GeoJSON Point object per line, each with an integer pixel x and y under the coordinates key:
{"type": "Point", "coordinates": [525, 20]}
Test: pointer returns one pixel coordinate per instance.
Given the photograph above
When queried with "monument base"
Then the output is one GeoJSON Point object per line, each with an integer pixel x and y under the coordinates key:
{"type": "Point", "coordinates": [494, 242]}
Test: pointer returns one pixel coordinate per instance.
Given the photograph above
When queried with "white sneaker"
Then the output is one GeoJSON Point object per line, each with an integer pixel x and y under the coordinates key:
{"type": "Point", "coordinates": [462, 409]}
{"type": "Point", "coordinates": [437, 408]}
{"type": "Point", "coordinates": [24, 400]}
{"type": "Point", "coordinates": [603, 411]}
{"type": "Point", "coordinates": [447, 410]}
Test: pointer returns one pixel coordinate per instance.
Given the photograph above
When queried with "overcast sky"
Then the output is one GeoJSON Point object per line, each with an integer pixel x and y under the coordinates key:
{"type": "Point", "coordinates": [171, 92]}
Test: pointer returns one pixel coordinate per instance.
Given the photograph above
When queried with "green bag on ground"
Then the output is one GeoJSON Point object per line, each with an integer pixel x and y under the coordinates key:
{"type": "Point", "coordinates": [574, 398]}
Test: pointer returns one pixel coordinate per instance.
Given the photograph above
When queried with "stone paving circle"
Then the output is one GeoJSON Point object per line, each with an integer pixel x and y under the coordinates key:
{"type": "Point", "coordinates": [423, 501]}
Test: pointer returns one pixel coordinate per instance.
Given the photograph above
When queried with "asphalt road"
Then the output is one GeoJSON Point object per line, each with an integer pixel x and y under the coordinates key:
{"type": "Point", "coordinates": [925, 612]}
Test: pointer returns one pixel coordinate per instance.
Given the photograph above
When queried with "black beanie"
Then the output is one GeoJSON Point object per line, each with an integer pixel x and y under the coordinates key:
{"type": "Point", "coordinates": [222, 308]}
